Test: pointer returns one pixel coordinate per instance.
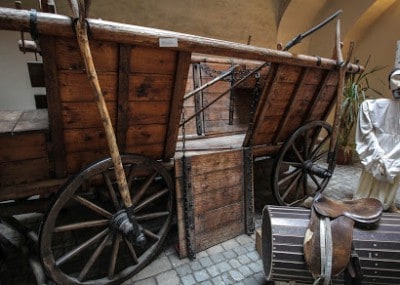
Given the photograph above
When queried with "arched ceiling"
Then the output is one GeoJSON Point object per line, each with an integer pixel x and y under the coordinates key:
{"type": "Point", "coordinates": [367, 20]}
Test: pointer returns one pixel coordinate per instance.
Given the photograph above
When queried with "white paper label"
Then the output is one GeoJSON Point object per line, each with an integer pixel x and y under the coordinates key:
{"type": "Point", "coordinates": [168, 42]}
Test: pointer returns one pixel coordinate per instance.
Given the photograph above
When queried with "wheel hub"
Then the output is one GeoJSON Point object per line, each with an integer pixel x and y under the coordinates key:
{"type": "Point", "coordinates": [313, 168]}
{"type": "Point", "coordinates": [120, 222]}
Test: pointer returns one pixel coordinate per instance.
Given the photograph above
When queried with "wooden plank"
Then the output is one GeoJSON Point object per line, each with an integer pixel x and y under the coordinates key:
{"type": "Point", "coordinates": [228, 231]}
{"type": "Point", "coordinates": [8, 120]}
{"type": "Point", "coordinates": [153, 60]}
{"type": "Point", "coordinates": [145, 134]}
{"type": "Point", "coordinates": [77, 140]}
{"type": "Point", "coordinates": [21, 146]}
{"type": "Point", "coordinates": [24, 171]}
{"type": "Point", "coordinates": [54, 106]}
{"type": "Point", "coordinates": [312, 107]}
{"type": "Point", "coordinates": [23, 207]}
{"type": "Point", "coordinates": [75, 87]}
{"type": "Point", "coordinates": [216, 161]}
{"type": "Point", "coordinates": [32, 120]}
{"type": "Point", "coordinates": [77, 161]}
{"type": "Point", "coordinates": [150, 87]}
{"type": "Point", "coordinates": [217, 88]}
{"type": "Point", "coordinates": [83, 115]}
{"type": "Point", "coordinates": [290, 106]}
{"type": "Point", "coordinates": [218, 198]}
{"type": "Point", "coordinates": [123, 95]}
{"type": "Point", "coordinates": [105, 55]}
{"type": "Point", "coordinates": [176, 104]}
{"type": "Point", "coordinates": [154, 151]}
{"type": "Point", "coordinates": [147, 113]}
{"type": "Point", "coordinates": [211, 220]}
{"type": "Point", "coordinates": [215, 180]}
{"type": "Point", "coordinates": [18, 191]}
{"type": "Point", "coordinates": [331, 104]}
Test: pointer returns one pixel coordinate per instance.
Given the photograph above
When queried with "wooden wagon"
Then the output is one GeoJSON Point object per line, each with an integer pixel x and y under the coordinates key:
{"type": "Point", "coordinates": [192, 151]}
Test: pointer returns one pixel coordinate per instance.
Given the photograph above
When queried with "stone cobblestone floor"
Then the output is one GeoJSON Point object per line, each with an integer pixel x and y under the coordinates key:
{"type": "Point", "coordinates": [235, 261]}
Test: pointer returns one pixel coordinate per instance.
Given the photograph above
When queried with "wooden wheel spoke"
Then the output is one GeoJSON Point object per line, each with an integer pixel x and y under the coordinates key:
{"type": "Point", "coordinates": [315, 181]}
{"type": "Point", "coordinates": [298, 154]}
{"type": "Point", "coordinates": [319, 156]}
{"type": "Point", "coordinates": [291, 185]}
{"type": "Point", "coordinates": [151, 234]}
{"type": "Point", "coordinates": [131, 251]}
{"type": "Point", "coordinates": [138, 195]}
{"type": "Point", "coordinates": [289, 177]}
{"type": "Point", "coordinates": [294, 164]}
{"type": "Point", "coordinates": [81, 225]}
{"type": "Point", "coordinates": [114, 255]}
{"type": "Point", "coordinates": [111, 191]}
{"type": "Point", "coordinates": [81, 247]}
{"type": "Point", "coordinates": [319, 146]}
{"type": "Point", "coordinates": [93, 258]}
{"type": "Point", "coordinates": [92, 206]}
{"type": "Point", "coordinates": [151, 199]}
{"type": "Point", "coordinates": [151, 216]}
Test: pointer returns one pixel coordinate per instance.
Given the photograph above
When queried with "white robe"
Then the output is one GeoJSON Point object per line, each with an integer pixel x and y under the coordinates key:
{"type": "Point", "coordinates": [378, 146]}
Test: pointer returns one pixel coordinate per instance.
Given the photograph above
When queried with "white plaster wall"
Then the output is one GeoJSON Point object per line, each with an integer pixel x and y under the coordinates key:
{"type": "Point", "coordinates": [16, 92]}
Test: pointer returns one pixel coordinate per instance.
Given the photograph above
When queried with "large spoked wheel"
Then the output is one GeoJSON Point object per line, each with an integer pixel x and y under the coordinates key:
{"type": "Point", "coordinates": [83, 237]}
{"type": "Point", "coordinates": [301, 168]}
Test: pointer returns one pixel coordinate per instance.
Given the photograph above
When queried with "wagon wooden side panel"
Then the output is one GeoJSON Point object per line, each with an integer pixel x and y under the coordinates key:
{"type": "Point", "coordinates": [292, 96]}
{"type": "Point", "coordinates": [143, 89]}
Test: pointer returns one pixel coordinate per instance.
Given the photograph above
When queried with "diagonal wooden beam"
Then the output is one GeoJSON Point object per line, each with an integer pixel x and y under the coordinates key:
{"type": "Point", "coordinates": [317, 96]}
{"type": "Point", "coordinates": [181, 73]}
{"type": "Point", "coordinates": [260, 108]}
{"type": "Point", "coordinates": [123, 95]}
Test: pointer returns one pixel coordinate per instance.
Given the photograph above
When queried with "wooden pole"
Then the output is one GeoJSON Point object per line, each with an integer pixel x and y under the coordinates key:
{"type": "Point", "coordinates": [339, 95]}
{"type": "Point", "coordinates": [78, 9]}
{"type": "Point", "coordinates": [59, 25]}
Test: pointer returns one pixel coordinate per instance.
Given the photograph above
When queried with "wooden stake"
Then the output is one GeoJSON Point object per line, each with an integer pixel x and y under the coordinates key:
{"type": "Point", "coordinates": [78, 9]}
{"type": "Point", "coordinates": [339, 96]}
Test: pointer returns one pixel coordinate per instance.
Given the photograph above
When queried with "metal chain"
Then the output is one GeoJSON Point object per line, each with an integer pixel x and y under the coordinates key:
{"type": "Point", "coordinates": [254, 103]}
{"type": "Point", "coordinates": [187, 198]}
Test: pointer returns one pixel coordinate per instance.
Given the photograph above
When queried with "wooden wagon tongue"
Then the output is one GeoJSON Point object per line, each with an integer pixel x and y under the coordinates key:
{"type": "Point", "coordinates": [79, 9]}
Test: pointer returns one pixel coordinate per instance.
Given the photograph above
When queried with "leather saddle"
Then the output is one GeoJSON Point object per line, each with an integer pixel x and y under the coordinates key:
{"type": "Point", "coordinates": [328, 239]}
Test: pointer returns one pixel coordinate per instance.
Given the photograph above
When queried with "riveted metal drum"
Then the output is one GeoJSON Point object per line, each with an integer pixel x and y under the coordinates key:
{"type": "Point", "coordinates": [283, 229]}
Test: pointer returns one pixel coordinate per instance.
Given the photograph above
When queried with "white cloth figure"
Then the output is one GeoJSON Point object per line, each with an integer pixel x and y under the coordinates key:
{"type": "Point", "coordinates": [378, 146]}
